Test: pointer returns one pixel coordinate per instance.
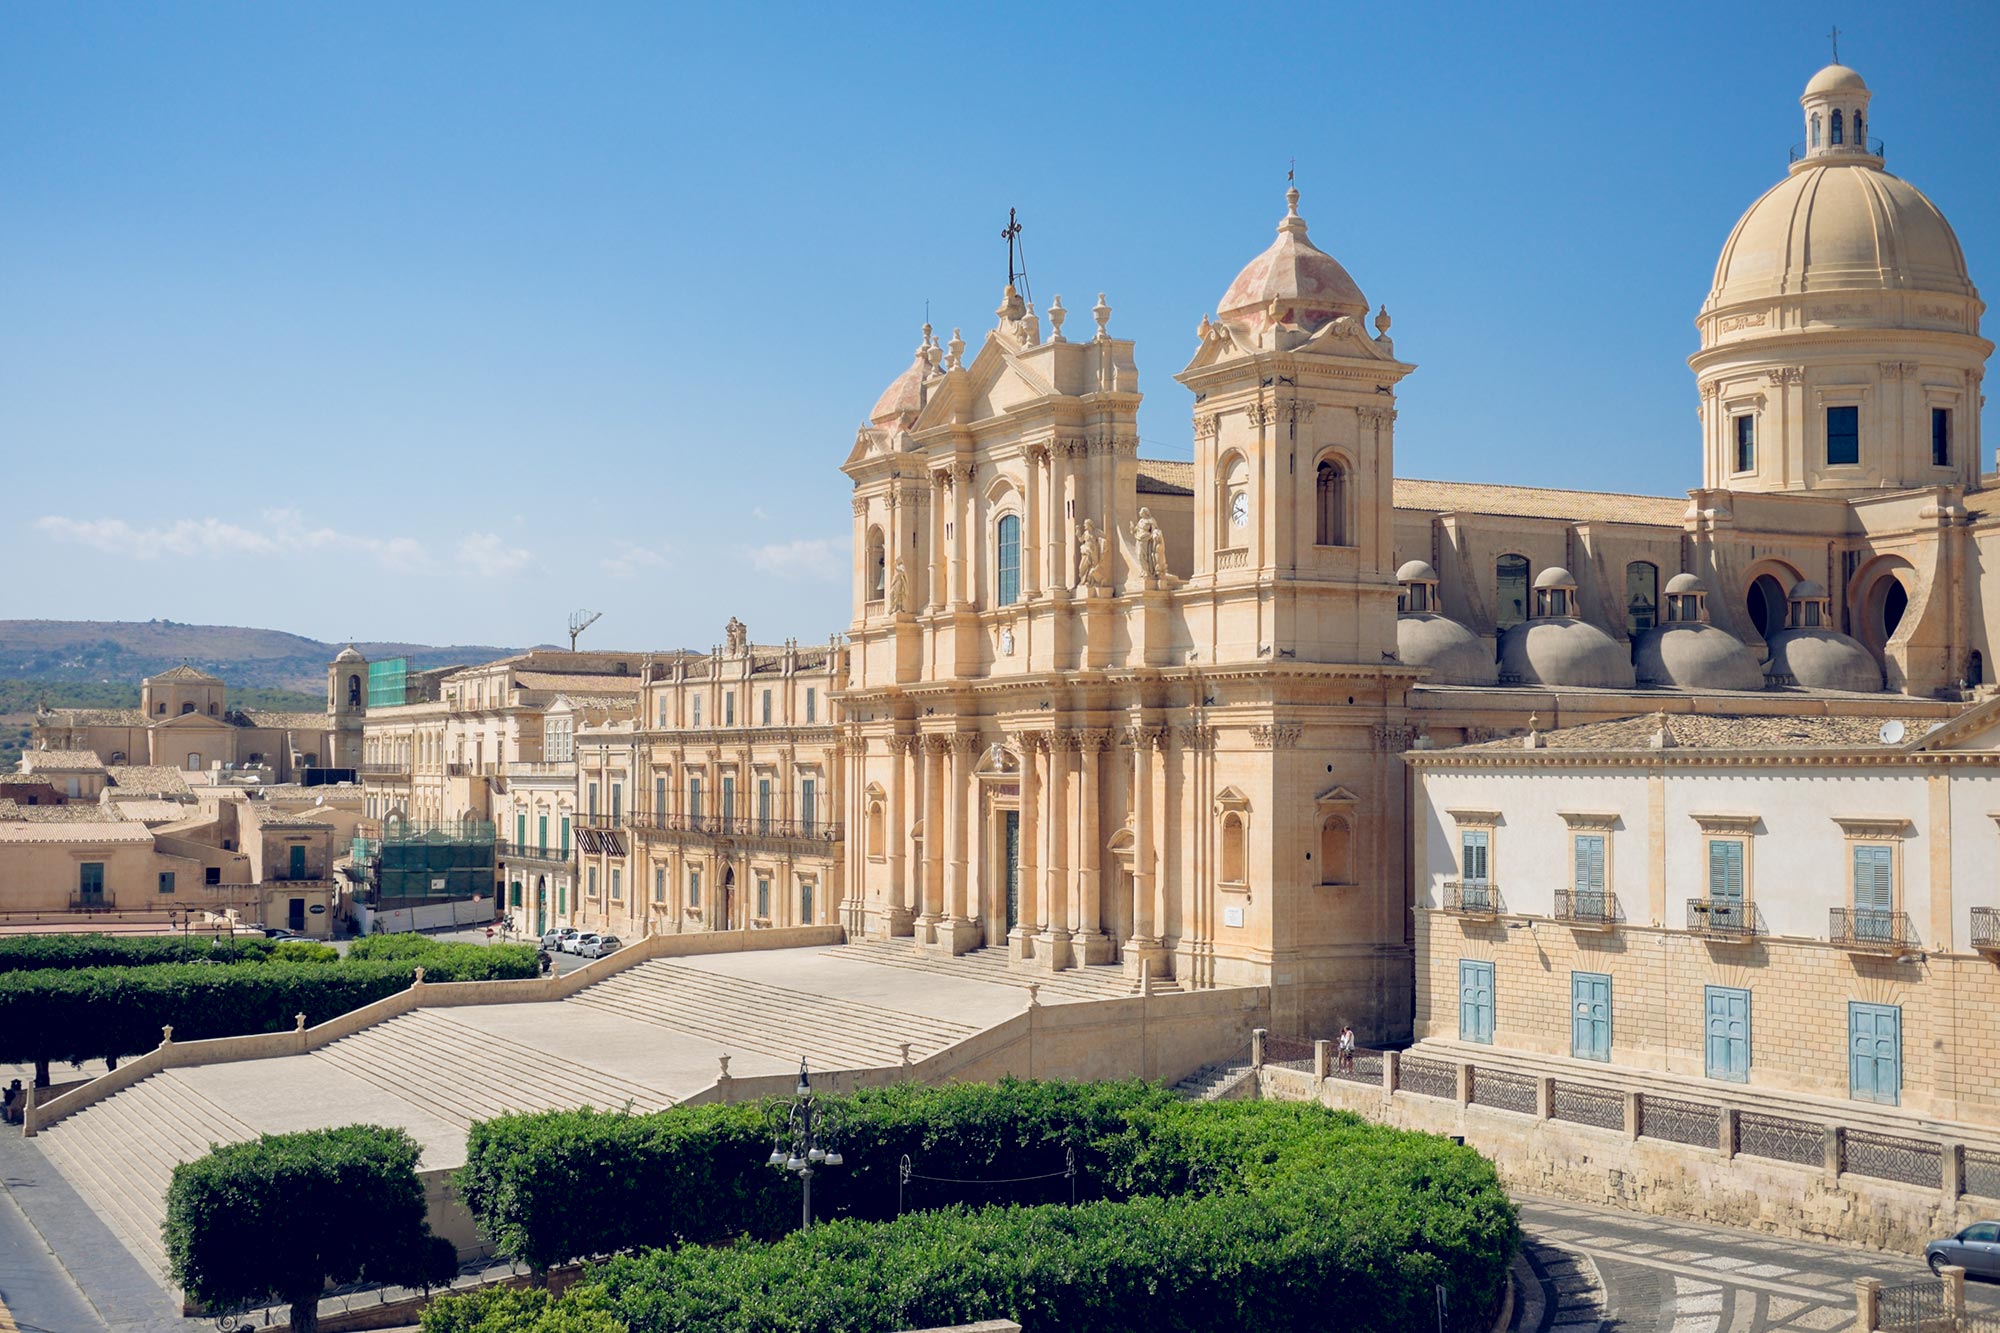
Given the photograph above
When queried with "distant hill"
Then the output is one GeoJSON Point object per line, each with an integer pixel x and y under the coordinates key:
{"type": "Point", "coordinates": [122, 652]}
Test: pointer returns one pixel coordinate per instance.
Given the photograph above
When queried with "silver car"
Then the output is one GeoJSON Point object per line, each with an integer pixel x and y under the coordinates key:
{"type": "Point", "coordinates": [1975, 1249]}
{"type": "Point", "coordinates": [597, 946]}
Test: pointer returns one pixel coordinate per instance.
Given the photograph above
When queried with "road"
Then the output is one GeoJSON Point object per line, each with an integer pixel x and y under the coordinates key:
{"type": "Point", "coordinates": [1586, 1270]}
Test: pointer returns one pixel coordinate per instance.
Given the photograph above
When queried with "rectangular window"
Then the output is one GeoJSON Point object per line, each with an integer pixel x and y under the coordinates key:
{"type": "Point", "coordinates": [805, 903]}
{"type": "Point", "coordinates": [166, 881]}
{"type": "Point", "coordinates": [1475, 1001]}
{"type": "Point", "coordinates": [808, 804]}
{"type": "Point", "coordinates": [764, 897]}
{"type": "Point", "coordinates": [1728, 1028]}
{"type": "Point", "coordinates": [728, 710]}
{"type": "Point", "coordinates": [728, 798]}
{"type": "Point", "coordinates": [697, 710]}
{"type": "Point", "coordinates": [520, 831]}
{"type": "Point", "coordinates": [590, 800]}
{"type": "Point", "coordinates": [1874, 892]}
{"type": "Point", "coordinates": [659, 884]}
{"type": "Point", "coordinates": [1875, 1053]}
{"type": "Point", "coordinates": [1473, 844]}
{"type": "Point", "coordinates": [1008, 564]}
{"type": "Point", "coordinates": [694, 887]}
{"type": "Point", "coordinates": [1941, 437]}
{"type": "Point", "coordinates": [767, 708]}
{"type": "Point", "coordinates": [659, 796]}
{"type": "Point", "coordinates": [211, 874]}
{"type": "Point", "coordinates": [663, 710]}
{"type": "Point", "coordinates": [763, 805]}
{"type": "Point", "coordinates": [590, 881]}
{"type": "Point", "coordinates": [617, 800]}
{"type": "Point", "coordinates": [1590, 1015]}
{"type": "Point", "coordinates": [1726, 908]}
{"type": "Point", "coordinates": [1843, 436]}
{"type": "Point", "coordinates": [694, 798]}
{"type": "Point", "coordinates": [562, 898]}
{"type": "Point", "coordinates": [617, 885]}
{"type": "Point", "coordinates": [542, 834]}
{"type": "Point", "coordinates": [1746, 444]}
{"type": "Point", "coordinates": [1587, 870]}
{"type": "Point", "coordinates": [565, 838]}
{"type": "Point", "coordinates": [812, 704]}
{"type": "Point", "coordinates": [90, 879]}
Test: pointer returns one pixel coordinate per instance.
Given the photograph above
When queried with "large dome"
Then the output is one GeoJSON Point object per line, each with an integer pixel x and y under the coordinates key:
{"type": "Point", "coordinates": [1559, 650]}
{"type": "Point", "coordinates": [1310, 287]}
{"type": "Point", "coordinates": [1689, 655]}
{"type": "Point", "coordinates": [1454, 654]}
{"type": "Point", "coordinates": [1822, 659]}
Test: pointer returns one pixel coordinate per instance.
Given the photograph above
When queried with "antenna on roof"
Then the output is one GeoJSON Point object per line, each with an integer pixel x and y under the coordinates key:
{"type": "Point", "coordinates": [579, 621]}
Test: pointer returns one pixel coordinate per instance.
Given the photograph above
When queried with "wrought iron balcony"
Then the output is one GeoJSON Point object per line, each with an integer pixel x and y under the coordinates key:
{"type": "Point", "coordinates": [1471, 898]}
{"type": "Point", "coordinates": [1870, 931]}
{"type": "Point", "coordinates": [1595, 908]}
{"type": "Point", "coordinates": [1722, 919]}
{"type": "Point", "coordinates": [1872, 148]}
{"type": "Point", "coordinates": [390, 770]}
{"type": "Point", "coordinates": [533, 853]}
{"type": "Point", "coordinates": [1986, 930]}
{"type": "Point", "coordinates": [91, 902]}
{"type": "Point", "coordinates": [672, 827]}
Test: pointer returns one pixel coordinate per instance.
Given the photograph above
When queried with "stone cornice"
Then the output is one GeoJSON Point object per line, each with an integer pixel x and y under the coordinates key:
{"type": "Point", "coordinates": [1631, 760]}
{"type": "Point", "coordinates": [1873, 826]}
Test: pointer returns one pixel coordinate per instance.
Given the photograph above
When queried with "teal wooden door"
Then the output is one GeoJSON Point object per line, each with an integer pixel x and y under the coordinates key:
{"type": "Point", "coordinates": [1728, 1024]}
{"type": "Point", "coordinates": [298, 863]}
{"type": "Point", "coordinates": [1875, 1053]}
{"type": "Point", "coordinates": [1590, 1021]}
{"type": "Point", "coordinates": [1475, 1001]}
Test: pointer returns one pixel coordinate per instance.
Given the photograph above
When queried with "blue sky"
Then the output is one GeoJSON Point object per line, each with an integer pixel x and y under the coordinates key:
{"type": "Point", "coordinates": [437, 321]}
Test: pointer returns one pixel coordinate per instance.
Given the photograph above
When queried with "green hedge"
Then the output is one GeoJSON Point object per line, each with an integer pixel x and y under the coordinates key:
{"type": "Point", "coordinates": [27, 953]}
{"type": "Point", "coordinates": [1194, 1215]}
{"type": "Point", "coordinates": [114, 1012]}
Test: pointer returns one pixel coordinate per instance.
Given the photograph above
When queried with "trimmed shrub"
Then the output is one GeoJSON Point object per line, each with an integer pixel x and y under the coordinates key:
{"type": "Point", "coordinates": [27, 953]}
{"type": "Point", "coordinates": [1252, 1215]}
{"type": "Point", "coordinates": [281, 1216]}
{"type": "Point", "coordinates": [304, 951]}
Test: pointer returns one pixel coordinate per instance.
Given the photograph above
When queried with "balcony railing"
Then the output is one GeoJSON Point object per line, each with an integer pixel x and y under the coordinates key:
{"type": "Point", "coordinates": [1872, 148]}
{"type": "Point", "coordinates": [1986, 929]}
{"type": "Point", "coordinates": [385, 770]}
{"type": "Point", "coordinates": [532, 852]}
{"type": "Point", "coordinates": [1722, 919]}
{"type": "Point", "coordinates": [735, 826]}
{"type": "Point", "coordinates": [1471, 899]}
{"type": "Point", "coordinates": [1870, 931]}
{"type": "Point", "coordinates": [1587, 907]}
{"type": "Point", "coordinates": [91, 902]}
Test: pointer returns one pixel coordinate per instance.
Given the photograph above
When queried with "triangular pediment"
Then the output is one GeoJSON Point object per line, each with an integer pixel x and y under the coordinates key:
{"type": "Point", "coordinates": [1336, 795]}
{"type": "Point", "coordinates": [994, 384]}
{"type": "Point", "coordinates": [192, 722]}
{"type": "Point", "coordinates": [1975, 730]}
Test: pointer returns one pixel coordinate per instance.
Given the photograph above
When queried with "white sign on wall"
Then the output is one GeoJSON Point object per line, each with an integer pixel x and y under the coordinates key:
{"type": "Point", "coordinates": [1232, 916]}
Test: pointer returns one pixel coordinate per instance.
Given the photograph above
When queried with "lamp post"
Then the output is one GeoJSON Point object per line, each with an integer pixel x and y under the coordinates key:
{"type": "Point", "coordinates": [802, 1133]}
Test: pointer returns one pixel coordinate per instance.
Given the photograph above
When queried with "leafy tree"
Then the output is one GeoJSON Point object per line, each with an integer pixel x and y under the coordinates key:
{"type": "Point", "coordinates": [278, 1218]}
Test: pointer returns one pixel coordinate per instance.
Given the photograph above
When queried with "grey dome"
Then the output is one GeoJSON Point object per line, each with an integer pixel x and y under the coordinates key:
{"type": "Point", "coordinates": [1555, 576]}
{"type": "Point", "coordinates": [1684, 583]}
{"type": "Point", "coordinates": [1416, 571]}
{"type": "Point", "coordinates": [1821, 659]}
{"type": "Point", "coordinates": [1806, 590]}
{"type": "Point", "coordinates": [1454, 653]}
{"type": "Point", "coordinates": [1690, 655]}
{"type": "Point", "coordinates": [1560, 650]}
{"type": "Point", "coordinates": [350, 654]}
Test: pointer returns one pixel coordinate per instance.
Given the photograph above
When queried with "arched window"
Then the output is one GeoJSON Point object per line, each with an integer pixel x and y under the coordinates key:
{"type": "Point", "coordinates": [353, 691]}
{"type": "Point", "coordinates": [1860, 131]}
{"type": "Point", "coordinates": [1330, 503]}
{"type": "Point", "coordinates": [878, 566]}
{"type": "Point", "coordinates": [1232, 504]}
{"type": "Point", "coordinates": [1835, 137]}
{"type": "Point", "coordinates": [1334, 852]}
{"type": "Point", "coordinates": [1232, 849]}
{"type": "Point", "coordinates": [1510, 591]}
{"type": "Point", "coordinates": [1975, 668]}
{"type": "Point", "coordinates": [213, 709]}
{"type": "Point", "coordinates": [186, 709]}
{"type": "Point", "coordinates": [1642, 597]}
{"type": "Point", "coordinates": [194, 761]}
{"type": "Point", "coordinates": [161, 710]}
{"type": "Point", "coordinates": [1007, 565]}
{"type": "Point", "coordinates": [1815, 129]}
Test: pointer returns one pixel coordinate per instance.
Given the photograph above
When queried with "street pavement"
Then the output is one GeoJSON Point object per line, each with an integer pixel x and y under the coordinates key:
{"type": "Point", "coordinates": [1600, 1270]}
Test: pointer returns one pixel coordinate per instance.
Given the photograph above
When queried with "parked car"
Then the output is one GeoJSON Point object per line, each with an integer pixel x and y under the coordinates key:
{"type": "Point", "coordinates": [552, 939]}
{"type": "Point", "coordinates": [599, 946]}
{"type": "Point", "coordinates": [1975, 1249]}
{"type": "Point", "coordinates": [280, 933]}
{"type": "Point", "coordinates": [576, 944]}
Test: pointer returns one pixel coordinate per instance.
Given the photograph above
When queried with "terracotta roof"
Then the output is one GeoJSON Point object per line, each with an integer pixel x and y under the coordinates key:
{"type": "Point", "coordinates": [79, 830]}
{"type": "Point", "coordinates": [148, 779]}
{"type": "Point", "coordinates": [271, 720]}
{"type": "Point", "coordinates": [293, 819]}
{"type": "Point", "coordinates": [570, 684]}
{"type": "Point", "coordinates": [61, 761]}
{"type": "Point", "coordinates": [154, 810]}
{"type": "Point", "coordinates": [1534, 502]}
{"type": "Point", "coordinates": [97, 717]}
{"type": "Point", "coordinates": [186, 673]}
{"type": "Point", "coordinates": [1702, 731]}
{"type": "Point", "coordinates": [1165, 476]}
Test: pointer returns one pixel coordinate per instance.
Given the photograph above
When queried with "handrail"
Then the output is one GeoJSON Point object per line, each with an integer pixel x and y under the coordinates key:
{"type": "Point", "coordinates": [1870, 931]}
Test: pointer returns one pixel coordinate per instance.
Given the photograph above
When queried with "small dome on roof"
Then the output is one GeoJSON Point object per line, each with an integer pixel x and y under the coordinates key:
{"type": "Point", "coordinates": [350, 654]}
{"type": "Point", "coordinates": [904, 398]}
{"type": "Point", "coordinates": [1453, 653]}
{"type": "Point", "coordinates": [1310, 287]}
{"type": "Point", "coordinates": [1822, 659]}
{"type": "Point", "coordinates": [1805, 590]}
{"type": "Point", "coordinates": [1835, 79]}
{"type": "Point", "coordinates": [1416, 571]}
{"type": "Point", "coordinates": [1555, 576]}
{"type": "Point", "coordinates": [1685, 583]}
{"type": "Point", "coordinates": [1690, 655]}
{"type": "Point", "coordinates": [1561, 650]}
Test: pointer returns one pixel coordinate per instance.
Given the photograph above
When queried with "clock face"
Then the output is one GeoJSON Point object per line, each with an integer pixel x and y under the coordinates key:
{"type": "Point", "coordinates": [1239, 508]}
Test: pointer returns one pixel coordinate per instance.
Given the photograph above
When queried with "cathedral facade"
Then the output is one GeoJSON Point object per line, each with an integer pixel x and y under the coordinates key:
{"type": "Point", "coordinates": [1104, 709]}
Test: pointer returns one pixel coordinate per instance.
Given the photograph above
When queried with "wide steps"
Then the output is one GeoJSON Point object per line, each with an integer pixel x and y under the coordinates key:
{"type": "Point", "coordinates": [1104, 981]}
{"type": "Point", "coordinates": [119, 1154]}
{"type": "Point", "coordinates": [769, 1020]}
{"type": "Point", "coordinates": [461, 1074]}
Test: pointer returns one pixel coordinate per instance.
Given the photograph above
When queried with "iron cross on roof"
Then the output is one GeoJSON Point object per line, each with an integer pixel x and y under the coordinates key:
{"type": "Point", "coordinates": [1012, 236]}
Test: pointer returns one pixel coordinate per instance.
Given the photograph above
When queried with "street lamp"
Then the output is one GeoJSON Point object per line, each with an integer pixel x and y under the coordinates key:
{"type": "Point", "coordinates": [803, 1139]}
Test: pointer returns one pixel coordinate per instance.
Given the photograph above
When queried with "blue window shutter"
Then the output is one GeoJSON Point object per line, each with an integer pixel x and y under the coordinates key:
{"type": "Point", "coordinates": [1589, 866]}
{"type": "Point", "coordinates": [1874, 879]}
{"type": "Point", "coordinates": [1473, 845]}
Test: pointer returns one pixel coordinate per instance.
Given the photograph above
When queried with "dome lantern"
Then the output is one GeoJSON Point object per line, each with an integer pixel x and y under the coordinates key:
{"type": "Point", "coordinates": [1836, 118]}
{"type": "Point", "coordinates": [1419, 584]}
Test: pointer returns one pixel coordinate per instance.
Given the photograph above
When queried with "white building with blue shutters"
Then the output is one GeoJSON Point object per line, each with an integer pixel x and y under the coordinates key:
{"type": "Point", "coordinates": [1805, 903]}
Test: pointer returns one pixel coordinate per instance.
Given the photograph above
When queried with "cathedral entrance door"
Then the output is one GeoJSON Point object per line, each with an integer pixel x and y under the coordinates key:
{"type": "Point", "coordinates": [1010, 835]}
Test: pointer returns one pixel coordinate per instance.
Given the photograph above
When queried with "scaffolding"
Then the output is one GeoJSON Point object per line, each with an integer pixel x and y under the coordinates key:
{"type": "Point", "coordinates": [410, 864]}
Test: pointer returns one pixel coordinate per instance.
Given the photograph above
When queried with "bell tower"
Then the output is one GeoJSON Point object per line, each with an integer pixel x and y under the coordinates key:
{"type": "Point", "coordinates": [1295, 410]}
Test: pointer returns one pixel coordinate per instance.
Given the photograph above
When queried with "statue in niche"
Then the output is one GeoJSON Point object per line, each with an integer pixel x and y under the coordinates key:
{"type": "Point", "coordinates": [1090, 553]}
{"type": "Point", "coordinates": [736, 636]}
{"type": "Point", "coordinates": [1152, 544]}
{"type": "Point", "coordinates": [899, 588]}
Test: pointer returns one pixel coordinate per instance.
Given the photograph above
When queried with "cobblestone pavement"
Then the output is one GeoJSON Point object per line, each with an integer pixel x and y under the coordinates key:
{"type": "Point", "coordinates": [1599, 1270]}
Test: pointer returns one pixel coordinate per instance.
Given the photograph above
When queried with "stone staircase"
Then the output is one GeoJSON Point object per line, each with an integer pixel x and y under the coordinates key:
{"type": "Point", "coordinates": [1217, 1083]}
{"type": "Point", "coordinates": [461, 1074]}
{"type": "Point", "coordinates": [770, 1020]}
{"type": "Point", "coordinates": [120, 1154]}
{"type": "Point", "coordinates": [1105, 981]}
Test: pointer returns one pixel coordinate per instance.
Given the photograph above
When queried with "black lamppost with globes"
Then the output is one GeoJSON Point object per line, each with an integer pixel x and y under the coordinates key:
{"type": "Point", "coordinates": [802, 1133]}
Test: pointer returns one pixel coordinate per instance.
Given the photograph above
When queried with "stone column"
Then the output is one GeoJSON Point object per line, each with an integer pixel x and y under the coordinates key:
{"type": "Point", "coordinates": [1020, 938]}
{"type": "Point", "coordinates": [935, 749]}
{"type": "Point", "coordinates": [1143, 945]}
{"type": "Point", "coordinates": [940, 556]}
{"type": "Point", "coordinates": [1052, 950]}
{"type": "Point", "coordinates": [966, 547]}
{"type": "Point", "coordinates": [958, 933]}
{"type": "Point", "coordinates": [1093, 944]}
{"type": "Point", "coordinates": [1032, 524]}
{"type": "Point", "coordinates": [901, 749]}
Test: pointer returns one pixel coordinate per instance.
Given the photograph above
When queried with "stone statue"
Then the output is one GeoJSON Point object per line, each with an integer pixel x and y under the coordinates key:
{"type": "Point", "coordinates": [899, 588]}
{"type": "Point", "coordinates": [1090, 552]}
{"type": "Point", "coordinates": [736, 636]}
{"type": "Point", "coordinates": [1152, 544]}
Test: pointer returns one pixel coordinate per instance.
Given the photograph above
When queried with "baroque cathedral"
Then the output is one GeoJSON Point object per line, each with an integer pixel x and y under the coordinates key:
{"type": "Point", "coordinates": [1106, 709]}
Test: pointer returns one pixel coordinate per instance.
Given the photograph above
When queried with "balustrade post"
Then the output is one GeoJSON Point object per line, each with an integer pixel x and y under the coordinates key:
{"type": "Point", "coordinates": [1727, 1134]}
{"type": "Point", "coordinates": [1867, 1304]}
{"type": "Point", "coordinates": [1392, 1072]}
{"type": "Point", "coordinates": [1462, 1082]}
{"type": "Point", "coordinates": [1954, 1293]}
{"type": "Point", "coordinates": [1322, 1060]}
{"type": "Point", "coordinates": [1831, 1154]}
{"type": "Point", "coordinates": [1257, 1036]}
{"type": "Point", "coordinates": [28, 1117]}
{"type": "Point", "coordinates": [1953, 1159]}
{"type": "Point", "coordinates": [1632, 1112]}
{"type": "Point", "coordinates": [1545, 1097]}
